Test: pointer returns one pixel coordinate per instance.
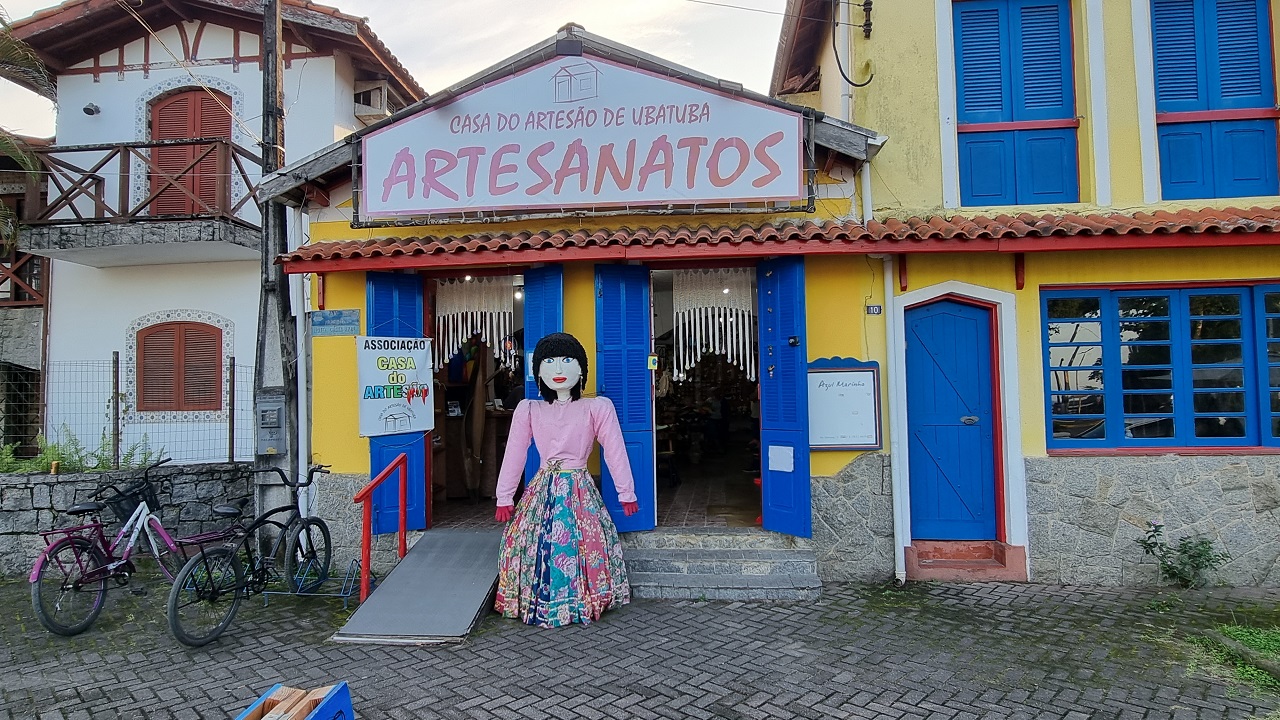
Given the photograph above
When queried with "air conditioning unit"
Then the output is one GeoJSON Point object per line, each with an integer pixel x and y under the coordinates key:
{"type": "Point", "coordinates": [373, 100]}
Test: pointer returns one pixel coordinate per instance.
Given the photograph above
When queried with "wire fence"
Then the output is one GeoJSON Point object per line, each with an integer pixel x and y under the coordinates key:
{"type": "Point", "coordinates": [88, 410]}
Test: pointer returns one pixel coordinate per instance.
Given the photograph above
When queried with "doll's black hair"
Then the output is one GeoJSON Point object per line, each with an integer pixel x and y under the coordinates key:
{"type": "Point", "coordinates": [559, 345]}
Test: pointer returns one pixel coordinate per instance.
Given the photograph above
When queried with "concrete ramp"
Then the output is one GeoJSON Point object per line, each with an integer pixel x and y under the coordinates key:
{"type": "Point", "coordinates": [437, 593]}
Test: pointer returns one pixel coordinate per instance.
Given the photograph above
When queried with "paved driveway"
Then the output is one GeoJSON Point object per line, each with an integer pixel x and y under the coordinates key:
{"type": "Point", "coordinates": [936, 651]}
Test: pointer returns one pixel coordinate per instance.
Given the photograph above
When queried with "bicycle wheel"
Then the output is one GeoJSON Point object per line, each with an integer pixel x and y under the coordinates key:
{"type": "Point", "coordinates": [64, 601]}
{"type": "Point", "coordinates": [307, 556]}
{"type": "Point", "coordinates": [204, 596]}
{"type": "Point", "coordinates": [170, 562]}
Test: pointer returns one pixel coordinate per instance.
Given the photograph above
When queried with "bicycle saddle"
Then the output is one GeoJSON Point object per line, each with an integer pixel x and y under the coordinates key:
{"type": "Point", "coordinates": [230, 511]}
{"type": "Point", "coordinates": [85, 508]}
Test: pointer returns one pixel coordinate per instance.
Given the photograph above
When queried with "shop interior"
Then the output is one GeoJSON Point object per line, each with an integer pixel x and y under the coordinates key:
{"type": "Point", "coordinates": [706, 412]}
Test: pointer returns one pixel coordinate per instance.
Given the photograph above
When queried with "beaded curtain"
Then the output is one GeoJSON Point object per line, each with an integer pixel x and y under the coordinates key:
{"type": "Point", "coordinates": [479, 306]}
{"type": "Point", "coordinates": [714, 312]}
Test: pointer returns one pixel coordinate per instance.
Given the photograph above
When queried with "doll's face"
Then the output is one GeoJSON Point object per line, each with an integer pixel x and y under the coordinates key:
{"type": "Point", "coordinates": [560, 373]}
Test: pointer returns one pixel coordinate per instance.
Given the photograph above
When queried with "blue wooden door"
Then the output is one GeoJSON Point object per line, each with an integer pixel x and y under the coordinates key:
{"type": "Point", "coordinates": [623, 343]}
{"type": "Point", "coordinates": [784, 398]}
{"type": "Point", "coordinates": [543, 315]}
{"type": "Point", "coordinates": [951, 447]}
{"type": "Point", "coordinates": [395, 310]}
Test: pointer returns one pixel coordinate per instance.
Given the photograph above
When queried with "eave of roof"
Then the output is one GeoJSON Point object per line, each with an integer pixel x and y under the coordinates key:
{"type": "Point", "coordinates": [854, 141]}
{"type": "Point", "coordinates": [1004, 233]}
{"type": "Point", "coordinates": [80, 18]}
{"type": "Point", "coordinates": [802, 22]}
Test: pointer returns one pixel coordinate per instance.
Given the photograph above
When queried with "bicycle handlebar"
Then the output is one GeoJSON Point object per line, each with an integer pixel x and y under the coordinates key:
{"type": "Point", "coordinates": [284, 476]}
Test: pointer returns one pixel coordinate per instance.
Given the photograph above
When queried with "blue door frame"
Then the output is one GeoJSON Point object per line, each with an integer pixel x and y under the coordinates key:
{"type": "Point", "coordinates": [951, 422]}
{"type": "Point", "coordinates": [543, 315]}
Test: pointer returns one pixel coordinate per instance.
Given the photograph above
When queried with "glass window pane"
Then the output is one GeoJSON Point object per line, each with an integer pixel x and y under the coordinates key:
{"type": "Point", "coordinates": [1148, 330]}
{"type": "Point", "coordinates": [1211, 354]}
{"type": "Point", "coordinates": [1075, 380]}
{"type": "Point", "coordinates": [1075, 355]}
{"type": "Point", "coordinates": [1082, 307]}
{"type": "Point", "coordinates": [1273, 327]}
{"type": "Point", "coordinates": [1220, 427]}
{"type": "Point", "coordinates": [1147, 403]}
{"type": "Point", "coordinates": [1218, 377]}
{"type": "Point", "coordinates": [1219, 402]}
{"type": "Point", "coordinates": [1148, 427]}
{"type": "Point", "coordinates": [1215, 329]}
{"type": "Point", "coordinates": [1080, 429]}
{"type": "Point", "coordinates": [1275, 427]}
{"type": "Point", "coordinates": [1215, 304]}
{"type": "Point", "coordinates": [1082, 404]}
{"type": "Point", "coordinates": [1066, 332]}
{"type": "Point", "coordinates": [1271, 301]}
{"type": "Point", "coordinates": [1147, 379]}
{"type": "Point", "coordinates": [1144, 355]}
{"type": "Point", "coordinates": [1156, 306]}
{"type": "Point", "coordinates": [1273, 352]}
{"type": "Point", "coordinates": [1275, 402]}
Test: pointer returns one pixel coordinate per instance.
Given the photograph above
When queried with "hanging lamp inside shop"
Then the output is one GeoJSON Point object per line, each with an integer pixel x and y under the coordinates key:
{"type": "Point", "coordinates": [714, 312]}
{"type": "Point", "coordinates": [473, 306]}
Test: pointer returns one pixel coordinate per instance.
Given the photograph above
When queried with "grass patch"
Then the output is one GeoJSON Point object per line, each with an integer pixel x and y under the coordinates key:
{"type": "Point", "coordinates": [1266, 642]}
{"type": "Point", "coordinates": [1239, 668]}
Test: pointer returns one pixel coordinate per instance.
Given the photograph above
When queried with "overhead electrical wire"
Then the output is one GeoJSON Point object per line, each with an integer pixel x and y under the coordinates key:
{"type": "Point", "coordinates": [836, 51]}
{"type": "Point", "coordinates": [765, 12]}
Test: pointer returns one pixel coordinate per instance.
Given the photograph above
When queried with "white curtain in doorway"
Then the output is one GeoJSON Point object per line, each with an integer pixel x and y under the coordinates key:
{"type": "Point", "coordinates": [481, 306]}
{"type": "Point", "coordinates": [714, 312]}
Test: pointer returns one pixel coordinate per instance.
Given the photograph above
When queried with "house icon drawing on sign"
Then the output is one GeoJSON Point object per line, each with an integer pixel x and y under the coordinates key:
{"type": "Point", "coordinates": [576, 82]}
{"type": "Point", "coordinates": [395, 422]}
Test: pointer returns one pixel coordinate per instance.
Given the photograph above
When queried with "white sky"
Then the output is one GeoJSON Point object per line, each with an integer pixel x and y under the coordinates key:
{"type": "Point", "coordinates": [444, 41]}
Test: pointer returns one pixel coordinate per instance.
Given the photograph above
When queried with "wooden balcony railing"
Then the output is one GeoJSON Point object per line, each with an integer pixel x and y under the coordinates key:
{"type": "Point", "coordinates": [123, 182]}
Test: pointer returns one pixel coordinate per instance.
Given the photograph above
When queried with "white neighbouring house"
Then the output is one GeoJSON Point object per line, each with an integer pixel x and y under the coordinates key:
{"type": "Point", "coordinates": [145, 210]}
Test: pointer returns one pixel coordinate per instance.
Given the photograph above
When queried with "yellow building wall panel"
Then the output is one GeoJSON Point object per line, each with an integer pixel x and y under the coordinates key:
{"type": "Point", "coordinates": [335, 421]}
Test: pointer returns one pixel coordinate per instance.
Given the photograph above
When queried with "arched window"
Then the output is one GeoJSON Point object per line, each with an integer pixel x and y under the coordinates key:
{"type": "Point", "coordinates": [180, 367]}
{"type": "Point", "coordinates": [186, 115]}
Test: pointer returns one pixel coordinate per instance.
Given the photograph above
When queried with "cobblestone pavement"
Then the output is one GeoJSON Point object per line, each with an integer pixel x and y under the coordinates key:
{"type": "Point", "coordinates": [927, 651]}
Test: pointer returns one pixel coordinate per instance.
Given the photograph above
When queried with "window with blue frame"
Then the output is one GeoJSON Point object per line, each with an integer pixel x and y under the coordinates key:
{"type": "Point", "coordinates": [1015, 98]}
{"type": "Point", "coordinates": [1185, 367]}
{"type": "Point", "coordinates": [1215, 98]}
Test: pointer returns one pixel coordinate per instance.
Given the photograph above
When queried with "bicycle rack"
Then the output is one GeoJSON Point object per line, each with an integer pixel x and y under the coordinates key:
{"type": "Point", "coordinates": [350, 586]}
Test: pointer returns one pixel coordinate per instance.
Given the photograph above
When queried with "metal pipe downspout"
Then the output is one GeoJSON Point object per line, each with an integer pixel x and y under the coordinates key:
{"type": "Point", "coordinates": [897, 445]}
{"type": "Point", "coordinates": [300, 290]}
{"type": "Point", "coordinates": [843, 41]}
{"type": "Point", "coordinates": [864, 180]}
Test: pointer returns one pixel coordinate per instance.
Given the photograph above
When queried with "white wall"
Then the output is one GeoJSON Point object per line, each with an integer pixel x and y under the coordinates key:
{"type": "Point", "coordinates": [96, 311]}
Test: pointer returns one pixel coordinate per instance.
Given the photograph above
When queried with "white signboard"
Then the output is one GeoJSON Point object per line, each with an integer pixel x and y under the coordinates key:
{"type": "Point", "coordinates": [583, 132]}
{"type": "Point", "coordinates": [844, 408]}
{"type": "Point", "coordinates": [394, 380]}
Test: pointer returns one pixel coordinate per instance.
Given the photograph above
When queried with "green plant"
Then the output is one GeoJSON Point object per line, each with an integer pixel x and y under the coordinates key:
{"type": "Point", "coordinates": [72, 456]}
{"type": "Point", "coordinates": [1187, 562]}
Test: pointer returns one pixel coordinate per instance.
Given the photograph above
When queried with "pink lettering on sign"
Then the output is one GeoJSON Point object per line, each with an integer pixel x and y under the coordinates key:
{"type": "Point", "coordinates": [472, 155]}
{"type": "Point", "coordinates": [607, 163]}
{"type": "Point", "coordinates": [574, 163]}
{"type": "Point", "coordinates": [762, 154]}
{"type": "Point", "coordinates": [402, 171]}
{"type": "Point", "coordinates": [431, 173]}
{"type": "Point", "coordinates": [661, 159]}
{"type": "Point", "coordinates": [535, 164]}
{"type": "Point", "coordinates": [497, 170]}
{"type": "Point", "coordinates": [717, 153]}
{"type": "Point", "coordinates": [694, 146]}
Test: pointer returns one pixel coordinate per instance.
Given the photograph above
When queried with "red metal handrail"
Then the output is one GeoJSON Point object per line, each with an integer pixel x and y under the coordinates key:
{"type": "Point", "coordinates": [366, 533]}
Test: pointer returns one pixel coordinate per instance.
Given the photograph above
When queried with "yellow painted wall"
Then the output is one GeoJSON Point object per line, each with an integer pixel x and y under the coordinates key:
{"type": "Point", "coordinates": [335, 426]}
{"type": "Point", "coordinates": [580, 311]}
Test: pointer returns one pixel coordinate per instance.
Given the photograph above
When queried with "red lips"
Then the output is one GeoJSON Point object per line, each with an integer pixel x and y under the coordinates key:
{"type": "Point", "coordinates": [559, 379]}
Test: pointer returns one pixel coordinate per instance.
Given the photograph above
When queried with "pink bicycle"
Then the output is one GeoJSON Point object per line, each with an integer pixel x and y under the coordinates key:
{"type": "Point", "coordinates": [70, 577]}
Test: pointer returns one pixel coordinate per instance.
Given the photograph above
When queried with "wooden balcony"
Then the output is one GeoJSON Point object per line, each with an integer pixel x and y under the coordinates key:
{"type": "Point", "coordinates": [144, 203]}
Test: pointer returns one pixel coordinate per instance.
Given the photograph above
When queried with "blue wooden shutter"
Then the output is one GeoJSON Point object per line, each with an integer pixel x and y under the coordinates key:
{"type": "Point", "coordinates": [987, 168]}
{"type": "Point", "coordinates": [1238, 55]}
{"type": "Point", "coordinates": [784, 398]}
{"type": "Point", "coordinates": [1046, 166]}
{"type": "Point", "coordinates": [543, 315]}
{"type": "Point", "coordinates": [1244, 152]}
{"type": "Point", "coordinates": [1178, 44]}
{"type": "Point", "coordinates": [1186, 161]}
{"type": "Point", "coordinates": [1043, 88]}
{"type": "Point", "coordinates": [395, 310]}
{"type": "Point", "coordinates": [982, 65]}
{"type": "Point", "coordinates": [623, 343]}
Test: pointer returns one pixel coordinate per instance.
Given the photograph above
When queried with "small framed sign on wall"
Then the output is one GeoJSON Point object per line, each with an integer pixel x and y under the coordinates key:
{"type": "Point", "coordinates": [844, 404]}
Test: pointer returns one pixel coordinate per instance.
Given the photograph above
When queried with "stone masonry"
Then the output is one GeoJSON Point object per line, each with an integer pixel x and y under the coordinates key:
{"type": "Point", "coordinates": [35, 502]}
{"type": "Point", "coordinates": [853, 521]}
{"type": "Point", "coordinates": [1086, 512]}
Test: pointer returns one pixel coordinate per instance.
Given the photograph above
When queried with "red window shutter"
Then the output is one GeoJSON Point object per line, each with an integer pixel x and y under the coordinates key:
{"type": "Point", "coordinates": [180, 367]}
{"type": "Point", "coordinates": [201, 367]}
{"type": "Point", "coordinates": [191, 114]}
{"type": "Point", "coordinates": [157, 362]}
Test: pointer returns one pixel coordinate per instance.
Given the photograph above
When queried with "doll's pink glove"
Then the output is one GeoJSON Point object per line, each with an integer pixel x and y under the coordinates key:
{"type": "Point", "coordinates": [630, 508]}
{"type": "Point", "coordinates": [503, 513]}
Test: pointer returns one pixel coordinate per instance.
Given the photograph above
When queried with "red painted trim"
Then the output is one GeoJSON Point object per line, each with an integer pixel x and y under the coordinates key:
{"type": "Point", "coordinates": [1163, 285]}
{"type": "Point", "coordinates": [1143, 452]}
{"type": "Point", "coordinates": [1020, 270]}
{"type": "Point", "coordinates": [695, 265]}
{"type": "Point", "coordinates": [320, 282]}
{"type": "Point", "coordinates": [1211, 115]}
{"type": "Point", "coordinates": [476, 272]}
{"type": "Point", "coordinates": [902, 272]}
{"type": "Point", "coordinates": [1018, 125]}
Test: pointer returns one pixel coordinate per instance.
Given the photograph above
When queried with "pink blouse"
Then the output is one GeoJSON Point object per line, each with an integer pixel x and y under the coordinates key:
{"type": "Point", "coordinates": [565, 431]}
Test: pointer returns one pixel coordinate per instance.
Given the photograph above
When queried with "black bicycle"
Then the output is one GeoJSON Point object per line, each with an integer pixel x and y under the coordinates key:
{"type": "Point", "coordinates": [208, 589]}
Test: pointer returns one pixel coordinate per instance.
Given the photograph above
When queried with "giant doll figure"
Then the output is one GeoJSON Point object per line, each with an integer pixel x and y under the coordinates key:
{"type": "Point", "coordinates": [561, 560]}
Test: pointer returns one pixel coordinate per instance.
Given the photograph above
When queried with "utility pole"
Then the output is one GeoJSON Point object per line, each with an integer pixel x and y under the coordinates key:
{"type": "Point", "coordinates": [276, 373]}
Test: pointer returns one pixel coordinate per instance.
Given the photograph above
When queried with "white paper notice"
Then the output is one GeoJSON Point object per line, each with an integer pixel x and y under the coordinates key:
{"type": "Point", "coordinates": [782, 458]}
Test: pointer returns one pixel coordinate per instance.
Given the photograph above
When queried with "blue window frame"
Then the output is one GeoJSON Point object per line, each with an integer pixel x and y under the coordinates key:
{"type": "Point", "coordinates": [1213, 73]}
{"type": "Point", "coordinates": [1016, 102]}
{"type": "Point", "coordinates": [1186, 367]}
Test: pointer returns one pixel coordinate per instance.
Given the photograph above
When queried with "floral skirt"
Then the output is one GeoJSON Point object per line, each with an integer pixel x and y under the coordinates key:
{"type": "Point", "coordinates": [561, 558]}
